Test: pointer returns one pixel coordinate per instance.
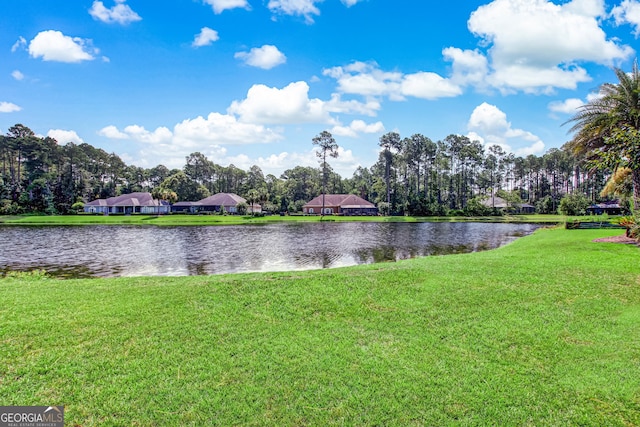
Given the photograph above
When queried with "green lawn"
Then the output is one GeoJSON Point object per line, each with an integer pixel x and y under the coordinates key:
{"type": "Point", "coordinates": [543, 332]}
{"type": "Point", "coordinates": [238, 219]}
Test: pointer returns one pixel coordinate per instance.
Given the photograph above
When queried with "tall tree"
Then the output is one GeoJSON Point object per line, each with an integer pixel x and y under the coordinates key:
{"type": "Point", "coordinates": [327, 147]}
{"type": "Point", "coordinates": [608, 127]}
{"type": "Point", "coordinates": [389, 141]}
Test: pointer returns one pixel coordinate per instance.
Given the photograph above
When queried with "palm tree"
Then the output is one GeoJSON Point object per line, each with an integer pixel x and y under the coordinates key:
{"type": "Point", "coordinates": [608, 128]}
{"type": "Point", "coordinates": [164, 194]}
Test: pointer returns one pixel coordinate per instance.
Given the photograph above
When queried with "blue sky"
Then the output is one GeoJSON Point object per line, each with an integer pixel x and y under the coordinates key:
{"type": "Point", "coordinates": [251, 82]}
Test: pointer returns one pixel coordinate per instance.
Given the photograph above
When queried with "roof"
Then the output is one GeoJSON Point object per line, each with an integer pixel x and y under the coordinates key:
{"type": "Point", "coordinates": [343, 200]}
{"type": "Point", "coordinates": [613, 205]}
{"type": "Point", "coordinates": [222, 199]}
{"type": "Point", "coordinates": [495, 202]}
{"type": "Point", "coordinates": [132, 199]}
{"type": "Point", "coordinates": [187, 204]}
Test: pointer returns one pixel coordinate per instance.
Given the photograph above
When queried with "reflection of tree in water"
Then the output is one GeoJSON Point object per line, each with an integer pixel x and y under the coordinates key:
{"type": "Point", "coordinates": [198, 269]}
{"type": "Point", "coordinates": [317, 258]}
{"type": "Point", "coordinates": [379, 254]}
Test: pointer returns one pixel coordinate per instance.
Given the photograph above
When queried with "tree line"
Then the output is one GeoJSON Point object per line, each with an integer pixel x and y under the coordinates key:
{"type": "Point", "coordinates": [413, 175]}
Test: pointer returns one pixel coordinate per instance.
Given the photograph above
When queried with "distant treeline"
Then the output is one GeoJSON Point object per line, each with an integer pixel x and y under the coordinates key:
{"type": "Point", "coordinates": [413, 175]}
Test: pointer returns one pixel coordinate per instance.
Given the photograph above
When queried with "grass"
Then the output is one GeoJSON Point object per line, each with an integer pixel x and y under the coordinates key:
{"type": "Point", "coordinates": [543, 331]}
{"type": "Point", "coordinates": [173, 220]}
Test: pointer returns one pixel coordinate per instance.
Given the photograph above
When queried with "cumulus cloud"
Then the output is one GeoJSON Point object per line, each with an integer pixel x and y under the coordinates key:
{"type": "Point", "coordinates": [205, 37]}
{"type": "Point", "coordinates": [161, 135]}
{"type": "Point", "coordinates": [367, 79]}
{"type": "Point", "coordinates": [222, 129]}
{"type": "Point", "coordinates": [489, 125]}
{"type": "Point", "coordinates": [628, 12]}
{"type": "Point", "coordinates": [220, 6]}
{"type": "Point", "coordinates": [536, 45]}
{"type": "Point", "coordinates": [112, 132]}
{"type": "Point", "coordinates": [304, 8]}
{"type": "Point", "coordinates": [9, 107]}
{"type": "Point", "coordinates": [568, 106]}
{"type": "Point", "coordinates": [52, 45]}
{"type": "Point", "coordinates": [120, 13]}
{"type": "Point", "coordinates": [357, 127]}
{"type": "Point", "coordinates": [344, 164]}
{"type": "Point", "coordinates": [198, 133]}
{"type": "Point", "coordinates": [290, 104]}
{"type": "Point", "coordinates": [65, 136]}
{"type": "Point", "coordinates": [428, 86]}
{"type": "Point", "coordinates": [470, 67]}
{"type": "Point", "coordinates": [265, 57]}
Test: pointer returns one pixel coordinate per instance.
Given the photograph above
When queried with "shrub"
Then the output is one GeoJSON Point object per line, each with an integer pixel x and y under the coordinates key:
{"type": "Point", "coordinates": [573, 204]}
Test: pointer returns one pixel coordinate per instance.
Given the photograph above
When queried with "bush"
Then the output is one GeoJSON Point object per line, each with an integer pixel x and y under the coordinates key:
{"type": "Point", "coordinates": [545, 205]}
{"type": "Point", "coordinates": [242, 208]}
{"type": "Point", "coordinates": [77, 207]}
{"type": "Point", "coordinates": [475, 207]}
{"type": "Point", "coordinates": [573, 204]}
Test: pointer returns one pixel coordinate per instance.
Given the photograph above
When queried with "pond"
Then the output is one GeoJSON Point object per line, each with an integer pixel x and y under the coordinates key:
{"type": "Point", "coordinates": [112, 251]}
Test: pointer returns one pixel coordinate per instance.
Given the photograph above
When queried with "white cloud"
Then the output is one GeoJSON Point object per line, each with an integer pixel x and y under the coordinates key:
{"type": "Point", "coordinates": [428, 86]}
{"type": "Point", "coordinates": [304, 8]}
{"type": "Point", "coordinates": [65, 136]}
{"type": "Point", "coordinates": [221, 129]}
{"type": "Point", "coordinates": [350, 3]}
{"type": "Point", "coordinates": [537, 148]}
{"type": "Point", "coordinates": [120, 13]}
{"type": "Point", "coordinates": [357, 127]}
{"type": "Point", "coordinates": [205, 37]}
{"type": "Point", "coordinates": [568, 106]}
{"type": "Point", "coordinates": [265, 57]}
{"type": "Point", "coordinates": [16, 74]}
{"type": "Point", "coordinates": [290, 104]}
{"type": "Point", "coordinates": [367, 79]}
{"type": "Point", "coordinates": [200, 132]}
{"type": "Point", "coordinates": [628, 12]}
{"type": "Point", "coordinates": [489, 125]}
{"type": "Point", "coordinates": [52, 45]}
{"type": "Point", "coordinates": [9, 107]}
{"type": "Point", "coordinates": [161, 135]}
{"type": "Point", "coordinates": [21, 43]}
{"type": "Point", "coordinates": [344, 164]}
{"type": "Point", "coordinates": [112, 132]}
{"type": "Point", "coordinates": [220, 6]}
{"type": "Point", "coordinates": [535, 45]}
{"type": "Point", "coordinates": [337, 105]}
{"type": "Point", "coordinates": [470, 67]}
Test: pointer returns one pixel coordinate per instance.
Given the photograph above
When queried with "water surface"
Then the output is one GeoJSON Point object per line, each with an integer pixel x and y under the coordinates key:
{"type": "Point", "coordinates": [110, 251]}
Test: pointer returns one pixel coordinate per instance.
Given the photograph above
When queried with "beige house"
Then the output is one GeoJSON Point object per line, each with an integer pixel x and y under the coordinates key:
{"type": "Point", "coordinates": [341, 204]}
{"type": "Point", "coordinates": [142, 203]}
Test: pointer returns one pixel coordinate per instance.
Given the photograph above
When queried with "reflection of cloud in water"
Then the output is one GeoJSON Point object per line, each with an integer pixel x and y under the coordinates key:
{"type": "Point", "coordinates": [175, 251]}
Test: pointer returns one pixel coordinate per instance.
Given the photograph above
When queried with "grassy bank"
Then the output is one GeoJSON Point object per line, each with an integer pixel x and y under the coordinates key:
{"type": "Point", "coordinates": [172, 220]}
{"type": "Point", "coordinates": [543, 331]}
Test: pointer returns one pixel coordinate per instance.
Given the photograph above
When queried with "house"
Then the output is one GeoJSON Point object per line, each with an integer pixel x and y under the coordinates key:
{"type": "Point", "coordinates": [142, 203]}
{"type": "Point", "coordinates": [185, 207]}
{"type": "Point", "coordinates": [216, 203]}
{"type": "Point", "coordinates": [343, 204]}
{"type": "Point", "coordinates": [610, 208]}
{"type": "Point", "coordinates": [501, 204]}
{"type": "Point", "coordinates": [495, 202]}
